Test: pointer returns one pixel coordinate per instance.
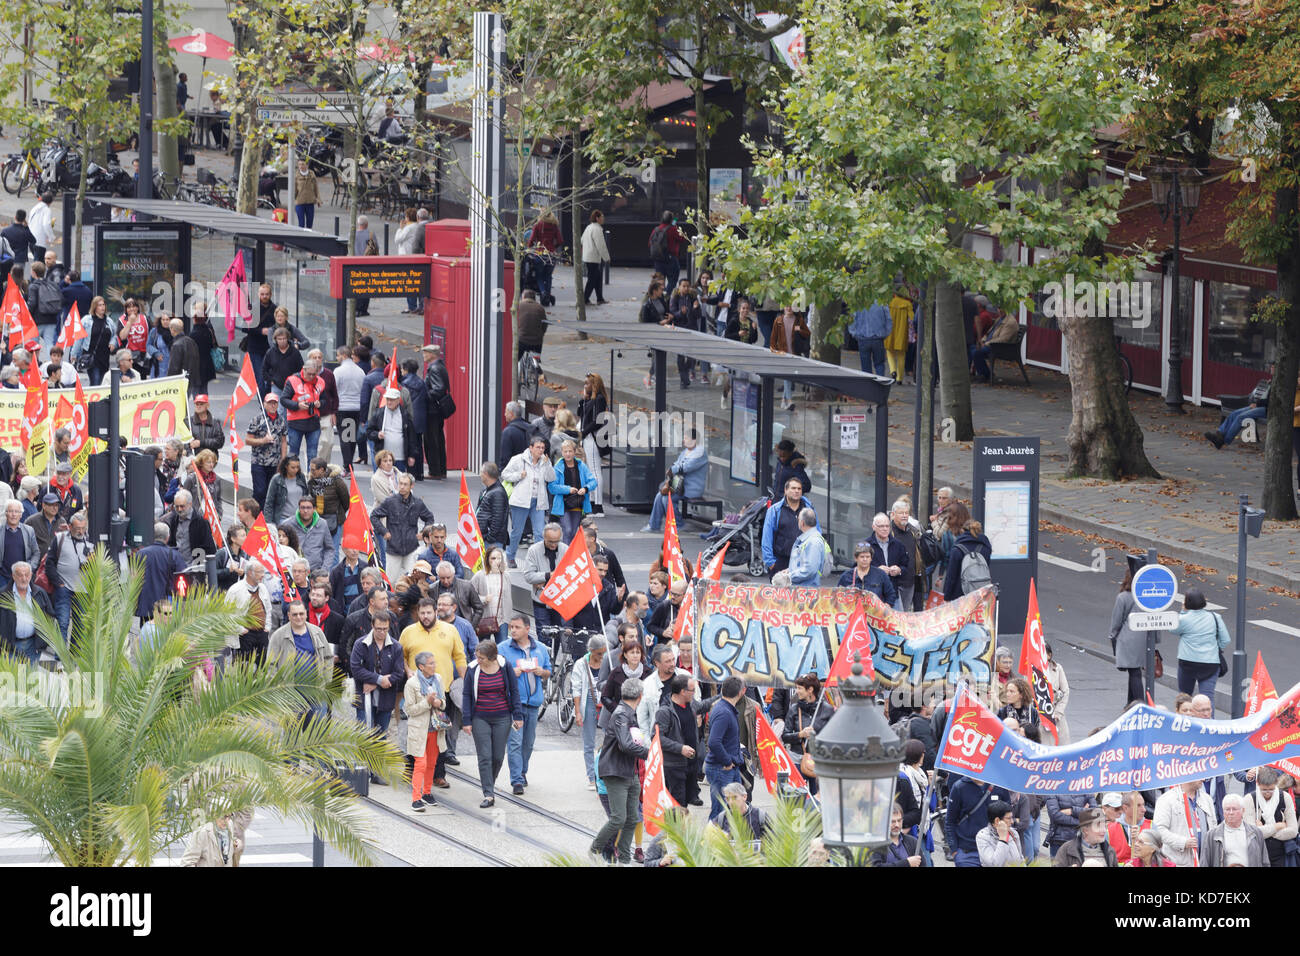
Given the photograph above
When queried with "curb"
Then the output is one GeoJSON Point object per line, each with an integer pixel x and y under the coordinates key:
{"type": "Point", "coordinates": [1220, 562]}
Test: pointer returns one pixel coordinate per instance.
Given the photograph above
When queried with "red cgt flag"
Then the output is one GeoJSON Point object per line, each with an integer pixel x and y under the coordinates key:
{"type": "Point", "coordinates": [856, 640]}
{"type": "Point", "coordinates": [573, 583]}
{"type": "Point", "coordinates": [356, 526]}
{"type": "Point", "coordinates": [209, 509]}
{"type": "Point", "coordinates": [1033, 664]}
{"type": "Point", "coordinates": [469, 538]}
{"type": "Point", "coordinates": [393, 373]}
{"type": "Point", "coordinates": [714, 571]}
{"type": "Point", "coordinates": [72, 330]}
{"type": "Point", "coordinates": [656, 801]}
{"type": "Point", "coordinates": [17, 320]}
{"type": "Point", "coordinates": [265, 549]}
{"type": "Point", "coordinates": [685, 623]}
{"type": "Point", "coordinates": [672, 548]}
{"type": "Point", "coordinates": [1261, 691]}
{"type": "Point", "coordinates": [35, 408]}
{"type": "Point", "coordinates": [774, 758]}
{"type": "Point", "coordinates": [245, 389]}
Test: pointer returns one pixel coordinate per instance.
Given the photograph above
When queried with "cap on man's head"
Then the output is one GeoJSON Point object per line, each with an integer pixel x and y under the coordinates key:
{"type": "Point", "coordinates": [1112, 800]}
{"type": "Point", "coordinates": [552, 400]}
{"type": "Point", "coordinates": [201, 398]}
{"type": "Point", "coordinates": [50, 499]}
{"type": "Point", "coordinates": [63, 467]}
{"type": "Point", "coordinates": [423, 567]}
{"type": "Point", "coordinates": [431, 348]}
{"type": "Point", "coordinates": [270, 397]}
{"type": "Point", "coordinates": [392, 393]}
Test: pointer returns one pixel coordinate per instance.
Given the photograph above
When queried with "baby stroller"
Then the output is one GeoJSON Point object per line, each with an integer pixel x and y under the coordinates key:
{"type": "Point", "coordinates": [537, 269]}
{"type": "Point", "coordinates": [744, 532]}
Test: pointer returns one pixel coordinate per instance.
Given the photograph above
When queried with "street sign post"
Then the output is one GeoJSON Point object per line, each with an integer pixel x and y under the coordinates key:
{"type": "Point", "coordinates": [1005, 476]}
{"type": "Point", "coordinates": [1154, 587]}
{"type": "Point", "coordinates": [1153, 620]}
{"type": "Point", "coordinates": [332, 114]}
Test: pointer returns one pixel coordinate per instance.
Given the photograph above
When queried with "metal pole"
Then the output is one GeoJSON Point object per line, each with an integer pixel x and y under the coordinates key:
{"type": "Point", "coordinates": [1174, 387]}
{"type": "Point", "coordinates": [293, 180]}
{"type": "Point", "coordinates": [1239, 655]}
{"type": "Point", "coordinates": [918, 503]}
{"type": "Point", "coordinates": [144, 189]}
{"type": "Point", "coordinates": [1152, 558]}
{"type": "Point", "coordinates": [385, 238]}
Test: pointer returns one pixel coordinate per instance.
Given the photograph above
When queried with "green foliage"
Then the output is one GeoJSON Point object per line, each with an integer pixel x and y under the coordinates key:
{"type": "Point", "coordinates": [916, 121]}
{"type": "Point", "coordinates": [117, 759]}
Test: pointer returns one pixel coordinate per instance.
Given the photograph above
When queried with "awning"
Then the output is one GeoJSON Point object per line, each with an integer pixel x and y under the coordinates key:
{"type": "Point", "coordinates": [738, 356]}
{"type": "Point", "coordinates": [227, 221]}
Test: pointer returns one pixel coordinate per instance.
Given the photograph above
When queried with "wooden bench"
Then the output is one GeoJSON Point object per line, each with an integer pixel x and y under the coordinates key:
{"type": "Point", "coordinates": [1008, 352]}
{"type": "Point", "coordinates": [694, 509]}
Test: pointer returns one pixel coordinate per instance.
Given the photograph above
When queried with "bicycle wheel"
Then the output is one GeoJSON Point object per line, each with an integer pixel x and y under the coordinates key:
{"type": "Point", "coordinates": [10, 178]}
{"type": "Point", "coordinates": [565, 711]}
{"type": "Point", "coordinates": [1126, 371]}
{"type": "Point", "coordinates": [25, 178]}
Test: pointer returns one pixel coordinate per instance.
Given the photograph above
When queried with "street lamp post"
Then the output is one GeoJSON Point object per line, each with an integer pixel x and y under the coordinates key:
{"type": "Point", "coordinates": [857, 758]}
{"type": "Point", "coordinates": [1176, 193]}
{"type": "Point", "coordinates": [1250, 521]}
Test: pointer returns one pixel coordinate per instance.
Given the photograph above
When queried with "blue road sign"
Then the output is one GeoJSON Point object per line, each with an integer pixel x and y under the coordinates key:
{"type": "Point", "coordinates": [1154, 587]}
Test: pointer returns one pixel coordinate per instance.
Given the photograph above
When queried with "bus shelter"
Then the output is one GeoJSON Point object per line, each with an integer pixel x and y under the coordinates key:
{"type": "Point", "coordinates": [839, 423]}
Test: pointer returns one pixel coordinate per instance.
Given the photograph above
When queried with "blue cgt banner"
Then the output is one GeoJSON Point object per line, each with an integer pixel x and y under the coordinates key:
{"type": "Point", "coordinates": [1144, 748]}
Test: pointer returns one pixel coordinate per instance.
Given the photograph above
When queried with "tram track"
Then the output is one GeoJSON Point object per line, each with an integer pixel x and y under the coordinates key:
{"type": "Point", "coordinates": [463, 845]}
{"type": "Point", "coordinates": [511, 799]}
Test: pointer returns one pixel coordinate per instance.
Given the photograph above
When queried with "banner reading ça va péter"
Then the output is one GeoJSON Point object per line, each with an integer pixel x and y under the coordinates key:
{"type": "Point", "coordinates": [770, 635]}
{"type": "Point", "coordinates": [1143, 749]}
{"type": "Point", "coordinates": [151, 412]}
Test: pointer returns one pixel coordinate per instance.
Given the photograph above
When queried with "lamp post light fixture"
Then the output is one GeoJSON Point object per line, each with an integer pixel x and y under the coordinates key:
{"type": "Point", "coordinates": [857, 758]}
{"type": "Point", "coordinates": [1176, 193]}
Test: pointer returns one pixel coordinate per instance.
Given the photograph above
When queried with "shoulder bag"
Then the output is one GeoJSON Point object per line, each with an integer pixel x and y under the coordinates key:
{"type": "Point", "coordinates": [1223, 661]}
{"type": "Point", "coordinates": [489, 624]}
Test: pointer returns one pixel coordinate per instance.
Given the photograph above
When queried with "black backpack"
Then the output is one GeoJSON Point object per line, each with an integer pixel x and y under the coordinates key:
{"type": "Point", "coordinates": [659, 242]}
{"type": "Point", "coordinates": [931, 552]}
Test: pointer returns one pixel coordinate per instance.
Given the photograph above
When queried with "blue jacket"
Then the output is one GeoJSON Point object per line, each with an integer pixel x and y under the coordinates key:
{"type": "Point", "coordinates": [531, 690]}
{"type": "Point", "coordinates": [693, 464]}
{"type": "Point", "coordinates": [450, 556]}
{"type": "Point", "coordinates": [873, 323]}
{"type": "Point", "coordinates": [368, 384]}
{"type": "Point", "coordinates": [559, 487]}
{"type": "Point", "coordinates": [895, 552]}
{"type": "Point", "coordinates": [964, 801]}
{"type": "Point", "coordinates": [877, 582]}
{"type": "Point", "coordinates": [155, 347]}
{"type": "Point", "coordinates": [807, 558]}
{"type": "Point", "coordinates": [419, 401]}
{"type": "Point", "coordinates": [724, 735]}
{"type": "Point", "coordinates": [468, 636]}
{"type": "Point", "coordinates": [79, 293]}
{"type": "Point", "coordinates": [796, 467]}
{"type": "Point", "coordinates": [1201, 637]}
{"type": "Point", "coordinates": [772, 540]}
{"type": "Point", "coordinates": [161, 565]}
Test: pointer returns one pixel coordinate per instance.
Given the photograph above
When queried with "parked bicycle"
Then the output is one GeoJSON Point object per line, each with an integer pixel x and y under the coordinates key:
{"type": "Point", "coordinates": [567, 648]}
{"type": "Point", "coordinates": [1125, 366]}
{"type": "Point", "coordinates": [530, 375]}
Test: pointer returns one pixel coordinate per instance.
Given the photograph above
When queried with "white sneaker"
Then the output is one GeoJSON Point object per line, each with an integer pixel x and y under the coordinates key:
{"type": "Point", "coordinates": [591, 784]}
{"type": "Point", "coordinates": [646, 529]}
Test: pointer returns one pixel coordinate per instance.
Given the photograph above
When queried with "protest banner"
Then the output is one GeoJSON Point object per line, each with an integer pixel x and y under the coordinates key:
{"type": "Point", "coordinates": [152, 411]}
{"type": "Point", "coordinates": [1143, 749]}
{"type": "Point", "coordinates": [770, 636]}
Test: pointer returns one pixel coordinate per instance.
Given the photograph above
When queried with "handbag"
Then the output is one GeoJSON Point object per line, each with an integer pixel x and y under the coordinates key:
{"type": "Point", "coordinates": [1223, 661]}
{"type": "Point", "coordinates": [447, 405]}
{"type": "Point", "coordinates": [487, 625]}
{"type": "Point", "coordinates": [218, 358]}
{"type": "Point", "coordinates": [40, 578]}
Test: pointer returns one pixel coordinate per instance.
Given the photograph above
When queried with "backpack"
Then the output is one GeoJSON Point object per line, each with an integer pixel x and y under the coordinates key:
{"type": "Point", "coordinates": [659, 242]}
{"type": "Point", "coordinates": [931, 552]}
{"type": "Point", "coordinates": [1259, 395]}
{"type": "Point", "coordinates": [974, 571]}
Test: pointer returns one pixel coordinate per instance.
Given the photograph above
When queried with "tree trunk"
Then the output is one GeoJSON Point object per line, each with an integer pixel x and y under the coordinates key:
{"type": "Point", "coordinates": [1105, 440]}
{"type": "Point", "coordinates": [1279, 491]}
{"type": "Point", "coordinates": [925, 374]}
{"type": "Point", "coordinates": [821, 320]}
{"type": "Point", "coordinates": [701, 132]}
{"type": "Point", "coordinates": [954, 364]}
{"type": "Point", "coordinates": [577, 225]}
{"type": "Point", "coordinates": [249, 167]}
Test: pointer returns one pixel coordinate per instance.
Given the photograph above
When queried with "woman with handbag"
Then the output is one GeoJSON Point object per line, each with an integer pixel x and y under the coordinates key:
{"type": "Point", "coordinates": [1129, 646]}
{"type": "Point", "coordinates": [493, 586]}
{"type": "Point", "coordinates": [426, 715]}
{"type": "Point", "coordinates": [799, 720]}
{"type": "Point", "coordinates": [593, 409]}
{"type": "Point", "coordinates": [571, 489]}
{"type": "Point", "coordinates": [134, 334]}
{"type": "Point", "coordinates": [1202, 638]}
{"type": "Point", "coordinates": [94, 354]}
{"type": "Point", "coordinates": [158, 347]}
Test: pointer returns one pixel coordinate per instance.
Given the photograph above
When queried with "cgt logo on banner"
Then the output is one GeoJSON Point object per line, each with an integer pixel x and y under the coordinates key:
{"type": "Point", "coordinates": [771, 636]}
{"type": "Point", "coordinates": [1142, 749]}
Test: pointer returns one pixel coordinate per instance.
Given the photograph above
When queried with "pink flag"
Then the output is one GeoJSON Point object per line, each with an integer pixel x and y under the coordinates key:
{"type": "Point", "coordinates": [230, 296]}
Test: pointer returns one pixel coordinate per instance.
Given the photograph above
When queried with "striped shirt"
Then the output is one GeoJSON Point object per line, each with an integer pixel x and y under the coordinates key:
{"type": "Point", "coordinates": [492, 699]}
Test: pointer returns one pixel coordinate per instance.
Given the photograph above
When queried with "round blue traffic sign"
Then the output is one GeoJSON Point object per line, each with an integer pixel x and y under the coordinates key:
{"type": "Point", "coordinates": [1154, 587]}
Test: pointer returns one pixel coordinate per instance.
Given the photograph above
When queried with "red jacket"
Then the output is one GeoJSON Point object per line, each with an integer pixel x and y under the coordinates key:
{"type": "Point", "coordinates": [1117, 833]}
{"type": "Point", "coordinates": [547, 234]}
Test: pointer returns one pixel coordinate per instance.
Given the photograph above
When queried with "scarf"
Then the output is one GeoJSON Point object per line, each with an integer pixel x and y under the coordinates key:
{"type": "Point", "coordinates": [209, 477]}
{"type": "Point", "coordinates": [317, 616]}
{"type": "Point", "coordinates": [1267, 807]}
{"type": "Point", "coordinates": [631, 672]}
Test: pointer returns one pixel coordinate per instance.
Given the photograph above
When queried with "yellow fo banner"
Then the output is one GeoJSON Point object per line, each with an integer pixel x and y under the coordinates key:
{"type": "Point", "coordinates": [152, 411]}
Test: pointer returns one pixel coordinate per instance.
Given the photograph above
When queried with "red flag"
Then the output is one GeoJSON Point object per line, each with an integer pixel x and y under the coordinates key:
{"type": "Point", "coordinates": [35, 408]}
{"type": "Point", "coordinates": [1033, 664]}
{"type": "Point", "coordinates": [573, 583]}
{"type": "Point", "coordinates": [231, 299]}
{"type": "Point", "coordinates": [856, 640]}
{"type": "Point", "coordinates": [245, 389]}
{"type": "Point", "coordinates": [356, 526]}
{"type": "Point", "coordinates": [469, 538]}
{"type": "Point", "coordinates": [672, 548]}
{"type": "Point", "coordinates": [209, 509]}
{"type": "Point", "coordinates": [236, 446]}
{"type": "Point", "coordinates": [62, 412]}
{"type": "Point", "coordinates": [72, 330]}
{"type": "Point", "coordinates": [17, 320]}
{"type": "Point", "coordinates": [656, 801]}
{"type": "Point", "coordinates": [685, 623]}
{"type": "Point", "coordinates": [266, 550]}
{"type": "Point", "coordinates": [32, 377]}
{"type": "Point", "coordinates": [714, 571]}
{"type": "Point", "coordinates": [1261, 691]}
{"type": "Point", "coordinates": [393, 373]}
{"type": "Point", "coordinates": [774, 758]}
